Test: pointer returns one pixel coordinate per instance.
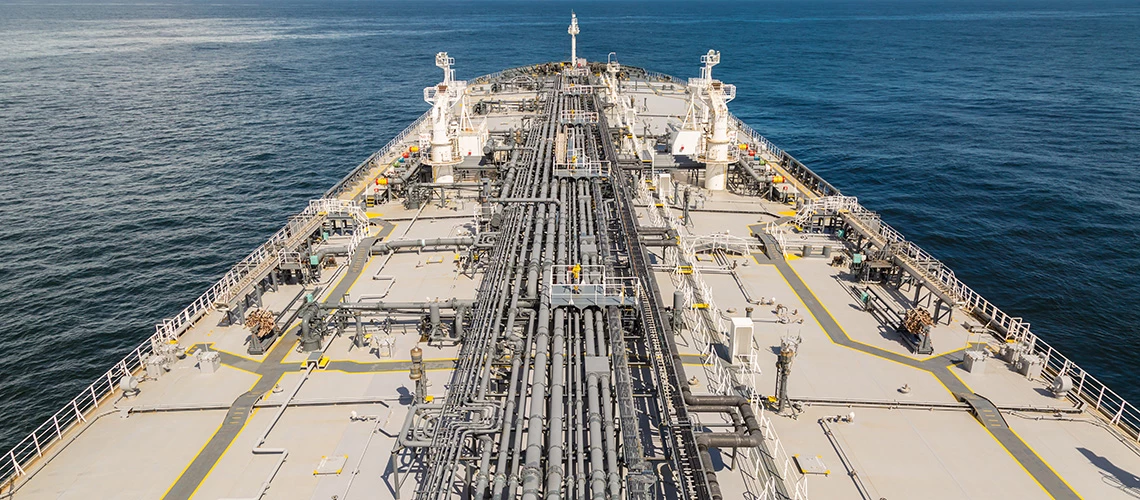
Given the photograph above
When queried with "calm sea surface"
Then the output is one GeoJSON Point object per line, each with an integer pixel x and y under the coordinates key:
{"type": "Point", "coordinates": [146, 148]}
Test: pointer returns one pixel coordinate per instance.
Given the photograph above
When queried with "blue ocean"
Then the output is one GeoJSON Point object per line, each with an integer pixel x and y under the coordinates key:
{"type": "Point", "coordinates": [146, 147]}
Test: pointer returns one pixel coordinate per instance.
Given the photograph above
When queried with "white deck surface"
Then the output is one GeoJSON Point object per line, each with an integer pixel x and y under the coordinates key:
{"type": "Point", "coordinates": [900, 453]}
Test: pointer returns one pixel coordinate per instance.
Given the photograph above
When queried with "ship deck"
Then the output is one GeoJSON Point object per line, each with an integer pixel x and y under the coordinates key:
{"type": "Point", "coordinates": [191, 434]}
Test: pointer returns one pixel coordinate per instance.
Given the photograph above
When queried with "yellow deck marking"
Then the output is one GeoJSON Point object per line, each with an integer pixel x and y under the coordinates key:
{"type": "Point", "coordinates": [212, 348]}
{"type": "Point", "coordinates": [191, 462]}
{"type": "Point", "coordinates": [949, 368]}
{"type": "Point", "coordinates": [248, 417]}
{"type": "Point", "coordinates": [832, 316]}
{"type": "Point", "coordinates": [927, 370]}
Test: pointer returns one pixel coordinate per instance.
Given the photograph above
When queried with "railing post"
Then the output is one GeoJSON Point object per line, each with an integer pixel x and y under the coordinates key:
{"type": "Point", "coordinates": [75, 406]}
{"type": "Point", "coordinates": [16, 463]}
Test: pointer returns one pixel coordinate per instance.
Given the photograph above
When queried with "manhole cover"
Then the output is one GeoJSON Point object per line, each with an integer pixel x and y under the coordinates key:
{"type": "Point", "coordinates": [812, 465]}
{"type": "Point", "coordinates": [330, 465]}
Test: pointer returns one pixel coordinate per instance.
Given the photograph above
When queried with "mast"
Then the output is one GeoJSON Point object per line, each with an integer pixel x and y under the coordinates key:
{"type": "Point", "coordinates": [573, 31]}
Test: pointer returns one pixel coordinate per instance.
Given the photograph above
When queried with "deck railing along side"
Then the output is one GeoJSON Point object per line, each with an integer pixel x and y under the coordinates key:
{"type": "Point", "coordinates": [375, 159]}
{"type": "Point", "coordinates": [13, 464]}
{"type": "Point", "coordinates": [65, 422]}
{"type": "Point", "coordinates": [1087, 389]}
{"type": "Point", "coordinates": [16, 462]}
{"type": "Point", "coordinates": [82, 408]}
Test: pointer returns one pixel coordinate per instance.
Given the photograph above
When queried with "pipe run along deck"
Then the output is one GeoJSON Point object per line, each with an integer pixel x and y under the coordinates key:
{"type": "Point", "coordinates": [532, 330]}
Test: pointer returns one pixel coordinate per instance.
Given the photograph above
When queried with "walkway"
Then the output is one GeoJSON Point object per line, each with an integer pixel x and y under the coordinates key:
{"type": "Point", "coordinates": [939, 366]}
{"type": "Point", "coordinates": [270, 372]}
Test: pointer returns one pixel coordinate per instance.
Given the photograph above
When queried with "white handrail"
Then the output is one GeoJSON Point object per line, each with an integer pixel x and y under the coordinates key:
{"type": "Point", "coordinates": [1119, 412]}
{"type": "Point", "coordinates": [687, 279]}
{"type": "Point", "coordinates": [1110, 405]}
{"type": "Point", "coordinates": [375, 158]}
{"type": "Point", "coordinates": [13, 464]}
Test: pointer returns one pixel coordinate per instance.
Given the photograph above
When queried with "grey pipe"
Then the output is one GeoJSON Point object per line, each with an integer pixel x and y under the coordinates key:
{"type": "Point", "coordinates": [526, 200]}
{"type": "Point", "coordinates": [752, 436]}
{"type": "Point", "coordinates": [309, 341]}
{"type": "Point", "coordinates": [541, 329]}
{"type": "Point", "coordinates": [397, 181]}
{"type": "Point", "coordinates": [433, 315]}
{"type": "Point", "coordinates": [405, 439]}
{"type": "Point", "coordinates": [510, 415]}
{"type": "Point", "coordinates": [536, 399]}
{"type": "Point", "coordinates": [580, 432]}
{"type": "Point", "coordinates": [730, 440]}
{"type": "Point", "coordinates": [456, 241]}
{"type": "Point", "coordinates": [752, 173]}
{"type": "Point", "coordinates": [710, 471]}
{"type": "Point", "coordinates": [342, 250]}
{"type": "Point", "coordinates": [554, 447]}
{"type": "Point", "coordinates": [608, 413]}
{"type": "Point", "coordinates": [561, 255]}
{"type": "Point", "coordinates": [530, 474]}
{"type": "Point", "coordinates": [457, 327]}
{"type": "Point", "coordinates": [538, 394]}
{"type": "Point", "coordinates": [484, 462]}
{"type": "Point", "coordinates": [597, 475]}
{"type": "Point", "coordinates": [393, 306]}
{"type": "Point", "coordinates": [678, 310]}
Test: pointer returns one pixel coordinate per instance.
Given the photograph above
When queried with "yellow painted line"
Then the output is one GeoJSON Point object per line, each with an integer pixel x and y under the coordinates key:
{"type": "Point", "coordinates": [762, 264]}
{"type": "Point", "coordinates": [787, 212]}
{"type": "Point", "coordinates": [353, 361]}
{"type": "Point", "coordinates": [877, 348]}
{"type": "Point", "coordinates": [373, 372]}
{"type": "Point", "coordinates": [366, 264]}
{"type": "Point", "coordinates": [1050, 467]}
{"type": "Point", "coordinates": [950, 368]}
{"type": "Point", "coordinates": [328, 294]}
{"type": "Point", "coordinates": [248, 418]}
{"type": "Point", "coordinates": [280, 337]}
{"type": "Point", "coordinates": [821, 304]}
{"type": "Point", "coordinates": [796, 182]}
{"type": "Point", "coordinates": [213, 348]}
{"type": "Point", "coordinates": [1015, 460]}
{"type": "Point", "coordinates": [368, 178]}
{"type": "Point", "coordinates": [191, 462]}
